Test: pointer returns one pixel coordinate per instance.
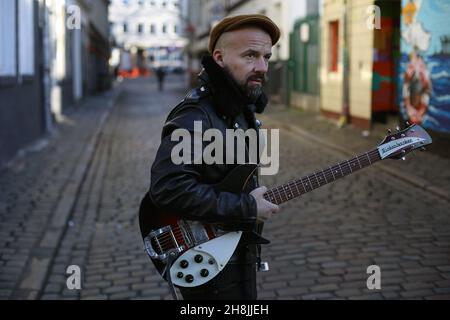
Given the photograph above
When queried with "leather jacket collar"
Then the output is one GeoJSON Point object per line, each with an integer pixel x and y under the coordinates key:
{"type": "Point", "coordinates": [228, 98]}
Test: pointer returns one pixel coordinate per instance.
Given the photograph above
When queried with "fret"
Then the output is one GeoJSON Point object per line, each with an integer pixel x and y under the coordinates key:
{"type": "Point", "coordinates": [335, 171]}
{"type": "Point", "coordinates": [324, 176]}
{"type": "Point", "coordinates": [351, 170]}
{"type": "Point", "coordinates": [286, 192]}
{"type": "Point", "coordinates": [307, 185]}
{"type": "Point", "coordinates": [310, 183]}
{"type": "Point", "coordinates": [357, 158]}
{"type": "Point", "coordinates": [342, 172]}
{"type": "Point", "coordinates": [281, 193]}
{"type": "Point", "coordinates": [318, 183]}
{"type": "Point", "coordinates": [347, 170]}
{"type": "Point", "coordinates": [334, 178]}
{"type": "Point", "coordinates": [296, 187]}
{"type": "Point", "coordinates": [367, 154]}
{"type": "Point", "coordinates": [303, 185]}
{"type": "Point", "coordinates": [291, 195]}
{"type": "Point", "coordinates": [274, 196]}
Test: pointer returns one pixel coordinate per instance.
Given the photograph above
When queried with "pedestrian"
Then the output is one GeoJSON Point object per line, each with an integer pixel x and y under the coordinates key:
{"type": "Point", "coordinates": [160, 74]}
{"type": "Point", "coordinates": [229, 95]}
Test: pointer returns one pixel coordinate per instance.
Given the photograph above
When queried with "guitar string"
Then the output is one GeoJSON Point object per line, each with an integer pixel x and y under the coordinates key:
{"type": "Point", "coordinates": [277, 192]}
{"type": "Point", "coordinates": [364, 159]}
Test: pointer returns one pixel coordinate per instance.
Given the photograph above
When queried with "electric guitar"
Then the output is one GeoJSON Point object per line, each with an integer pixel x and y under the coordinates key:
{"type": "Point", "coordinates": [192, 253]}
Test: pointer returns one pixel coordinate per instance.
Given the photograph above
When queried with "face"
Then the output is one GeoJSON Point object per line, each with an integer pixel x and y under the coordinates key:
{"type": "Point", "coordinates": [245, 54]}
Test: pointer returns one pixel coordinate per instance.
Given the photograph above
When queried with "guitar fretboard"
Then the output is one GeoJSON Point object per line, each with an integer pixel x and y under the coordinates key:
{"type": "Point", "coordinates": [313, 181]}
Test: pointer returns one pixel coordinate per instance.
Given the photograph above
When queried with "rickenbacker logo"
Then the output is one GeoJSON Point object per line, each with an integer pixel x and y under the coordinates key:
{"type": "Point", "coordinates": [396, 145]}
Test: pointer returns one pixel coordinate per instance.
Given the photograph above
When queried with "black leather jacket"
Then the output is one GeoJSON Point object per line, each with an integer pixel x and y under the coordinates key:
{"type": "Point", "coordinates": [187, 188]}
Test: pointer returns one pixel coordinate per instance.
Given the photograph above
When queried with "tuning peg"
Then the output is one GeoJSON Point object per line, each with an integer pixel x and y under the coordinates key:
{"type": "Point", "coordinates": [397, 128]}
{"type": "Point", "coordinates": [423, 149]}
{"type": "Point", "coordinates": [403, 158]}
{"type": "Point", "coordinates": [407, 123]}
{"type": "Point", "coordinates": [389, 131]}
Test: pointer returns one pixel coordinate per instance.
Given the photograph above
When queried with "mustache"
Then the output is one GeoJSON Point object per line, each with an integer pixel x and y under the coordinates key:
{"type": "Point", "coordinates": [257, 77]}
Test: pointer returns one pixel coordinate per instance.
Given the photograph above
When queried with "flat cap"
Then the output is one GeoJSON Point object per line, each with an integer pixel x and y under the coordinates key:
{"type": "Point", "coordinates": [233, 23]}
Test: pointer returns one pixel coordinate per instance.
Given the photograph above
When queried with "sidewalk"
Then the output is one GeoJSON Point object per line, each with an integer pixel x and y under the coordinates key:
{"type": "Point", "coordinates": [427, 170]}
{"type": "Point", "coordinates": [38, 191]}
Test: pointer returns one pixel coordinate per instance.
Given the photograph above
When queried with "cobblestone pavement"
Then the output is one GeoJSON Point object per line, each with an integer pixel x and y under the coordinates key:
{"type": "Point", "coordinates": [75, 203]}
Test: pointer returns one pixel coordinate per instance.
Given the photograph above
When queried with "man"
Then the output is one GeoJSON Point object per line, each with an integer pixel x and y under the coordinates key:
{"type": "Point", "coordinates": [160, 74]}
{"type": "Point", "coordinates": [228, 97]}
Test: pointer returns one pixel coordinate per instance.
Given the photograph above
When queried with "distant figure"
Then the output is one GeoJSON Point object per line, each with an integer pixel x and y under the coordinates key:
{"type": "Point", "coordinates": [161, 74]}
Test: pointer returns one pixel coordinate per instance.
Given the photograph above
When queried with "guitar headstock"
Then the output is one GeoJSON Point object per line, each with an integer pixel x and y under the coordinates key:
{"type": "Point", "coordinates": [397, 145]}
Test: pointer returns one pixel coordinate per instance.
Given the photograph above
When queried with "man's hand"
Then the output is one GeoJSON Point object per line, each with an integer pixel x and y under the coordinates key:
{"type": "Point", "coordinates": [265, 208]}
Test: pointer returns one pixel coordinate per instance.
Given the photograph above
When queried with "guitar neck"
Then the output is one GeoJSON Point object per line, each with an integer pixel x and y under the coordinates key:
{"type": "Point", "coordinates": [296, 188]}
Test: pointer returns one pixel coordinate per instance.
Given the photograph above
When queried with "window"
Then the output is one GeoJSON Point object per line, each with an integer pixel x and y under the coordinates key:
{"type": "Point", "coordinates": [334, 45]}
{"type": "Point", "coordinates": [26, 37]}
{"type": "Point", "coordinates": [164, 29]}
{"type": "Point", "coordinates": [7, 38]}
{"type": "Point", "coordinates": [125, 28]}
{"type": "Point", "coordinates": [140, 28]}
{"type": "Point", "coordinates": [175, 29]}
{"type": "Point", "coordinates": [152, 29]}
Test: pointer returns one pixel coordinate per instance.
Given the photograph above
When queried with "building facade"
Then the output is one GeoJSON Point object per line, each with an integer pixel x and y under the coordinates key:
{"type": "Point", "coordinates": [149, 34]}
{"type": "Point", "coordinates": [22, 115]}
{"type": "Point", "coordinates": [53, 53]}
{"type": "Point", "coordinates": [386, 58]}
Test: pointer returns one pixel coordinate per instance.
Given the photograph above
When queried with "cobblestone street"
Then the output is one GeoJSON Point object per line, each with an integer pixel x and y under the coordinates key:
{"type": "Point", "coordinates": [75, 202]}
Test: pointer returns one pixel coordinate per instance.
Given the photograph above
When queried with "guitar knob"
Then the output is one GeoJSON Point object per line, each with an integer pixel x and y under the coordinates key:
{"type": "Point", "coordinates": [180, 275]}
{"type": "Point", "coordinates": [211, 261]}
{"type": "Point", "coordinates": [189, 278]}
{"type": "Point", "coordinates": [198, 258]}
{"type": "Point", "coordinates": [204, 273]}
{"type": "Point", "coordinates": [184, 264]}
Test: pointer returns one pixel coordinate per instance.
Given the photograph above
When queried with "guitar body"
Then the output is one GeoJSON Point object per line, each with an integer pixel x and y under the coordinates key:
{"type": "Point", "coordinates": [186, 248]}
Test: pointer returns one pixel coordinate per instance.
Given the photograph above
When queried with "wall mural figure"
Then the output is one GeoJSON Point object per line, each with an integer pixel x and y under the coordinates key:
{"type": "Point", "coordinates": [424, 66]}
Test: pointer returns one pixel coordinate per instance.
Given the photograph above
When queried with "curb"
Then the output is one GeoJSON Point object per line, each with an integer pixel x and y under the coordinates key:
{"type": "Point", "coordinates": [41, 258]}
{"type": "Point", "coordinates": [415, 181]}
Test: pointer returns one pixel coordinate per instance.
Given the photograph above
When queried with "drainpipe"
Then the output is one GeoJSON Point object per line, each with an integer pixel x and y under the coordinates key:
{"type": "Point", "coordinates": [345, 115]}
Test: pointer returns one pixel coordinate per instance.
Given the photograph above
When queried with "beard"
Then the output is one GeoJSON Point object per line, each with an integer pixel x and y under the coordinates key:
{"type": "Point", "coordinates": [252, 92]}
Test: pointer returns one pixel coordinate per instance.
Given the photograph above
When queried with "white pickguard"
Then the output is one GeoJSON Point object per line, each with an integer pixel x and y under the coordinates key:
{"type": "Point", "coordinates": [218, 251]}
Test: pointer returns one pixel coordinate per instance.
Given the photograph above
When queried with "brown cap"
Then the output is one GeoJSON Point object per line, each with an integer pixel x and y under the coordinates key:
{"type": "Point", "coordinates": [238, 22]}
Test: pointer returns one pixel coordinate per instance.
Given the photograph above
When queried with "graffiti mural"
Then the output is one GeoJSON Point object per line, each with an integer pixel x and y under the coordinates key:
{"type": "Point", "coordinates": [424, 75]}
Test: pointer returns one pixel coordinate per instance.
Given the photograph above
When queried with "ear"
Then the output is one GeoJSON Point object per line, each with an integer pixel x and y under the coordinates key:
{"type": "Point", "coordinates": [218, 57]}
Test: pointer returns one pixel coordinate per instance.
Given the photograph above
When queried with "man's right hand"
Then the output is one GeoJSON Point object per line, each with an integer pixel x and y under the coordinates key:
{"type": "Point", "coordinates": [265, 209]}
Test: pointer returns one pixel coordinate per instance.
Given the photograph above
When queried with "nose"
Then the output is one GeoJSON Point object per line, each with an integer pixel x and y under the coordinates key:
{"type": "Point", "coordinates": [261, 65]}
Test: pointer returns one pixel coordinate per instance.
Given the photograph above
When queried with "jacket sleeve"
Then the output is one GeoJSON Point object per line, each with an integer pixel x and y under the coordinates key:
{"type": "Point", "coordinates": [176, 188]}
